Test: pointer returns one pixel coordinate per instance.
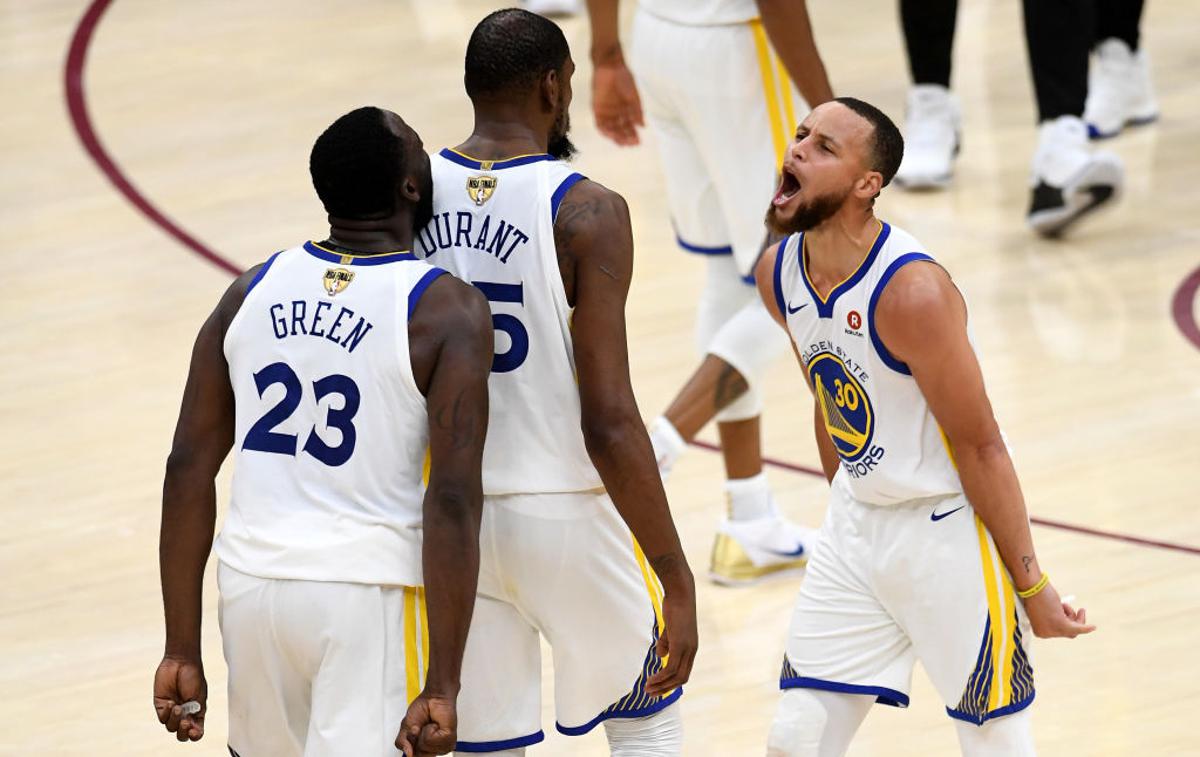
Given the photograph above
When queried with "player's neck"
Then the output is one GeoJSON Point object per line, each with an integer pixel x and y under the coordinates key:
{"type": "Point", "coordinates": [504, 134]}
{"type": "Point", "coordinates": [838, 246]}
{"type": "Point", "coordinates": [385, 235]}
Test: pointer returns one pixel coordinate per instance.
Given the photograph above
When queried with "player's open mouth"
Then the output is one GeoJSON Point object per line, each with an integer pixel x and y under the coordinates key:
{"type": "Point", "coordinates": [789, 187]}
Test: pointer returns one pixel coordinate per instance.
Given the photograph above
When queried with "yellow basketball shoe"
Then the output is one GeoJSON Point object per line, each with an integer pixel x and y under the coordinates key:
{"type": "Point", "coordinates": [748, 551]}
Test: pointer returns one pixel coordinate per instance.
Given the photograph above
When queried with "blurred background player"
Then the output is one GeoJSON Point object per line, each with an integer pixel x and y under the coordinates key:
{"type": "Point", "coordinates": [721, 105]}
{"type": "Point", "coordinates": [1073, 100]}
{"type": "Point", "coordinates": [568, 470]}
{"type": "Point", "coordinates": [336, 368]}
{"type": "Point", "coordinates": [925, 548]}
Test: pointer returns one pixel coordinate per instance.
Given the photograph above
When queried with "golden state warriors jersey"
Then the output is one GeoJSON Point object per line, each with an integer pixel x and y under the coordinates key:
{"type": "Point", "coordinates": [331, 430]}
{"type": "Point", "coordinates": [702, 12]}
{"type": "Point", "coordinates": [493, 227]}
{"type": "Point", "coordinates": [890, 447]}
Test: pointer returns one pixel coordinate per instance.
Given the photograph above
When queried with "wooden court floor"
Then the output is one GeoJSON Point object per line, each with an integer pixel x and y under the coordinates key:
{"type": "Point", "coordinates": [210, 109]}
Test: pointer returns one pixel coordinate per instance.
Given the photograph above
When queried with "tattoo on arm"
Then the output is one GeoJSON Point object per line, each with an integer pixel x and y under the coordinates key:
{"type": "Point", "coordinates": [1027, 560]}
{"type": "Point", "coordinates": [731, 384]}
{"type": "Point", "coordinates": [458, 421]}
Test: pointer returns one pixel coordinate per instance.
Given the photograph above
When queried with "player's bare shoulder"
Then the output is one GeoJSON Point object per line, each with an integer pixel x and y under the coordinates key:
{"type": "Point", "coordinates": [919, 308]}
{"type": "Point", "coordinates": [593, 224]}
{"type": "Point", "coordinates": [451, 312]}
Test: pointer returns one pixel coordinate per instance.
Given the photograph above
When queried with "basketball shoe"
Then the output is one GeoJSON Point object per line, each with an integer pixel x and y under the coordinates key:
{"type": "Point", "coordinates": [1119, 90]}
{"type": "Point", "coordinates": [747, 551]}
{"type": "Point", "coordinates": [932, 124]}
{"type": "Point", "coordinates": [1069, 179]}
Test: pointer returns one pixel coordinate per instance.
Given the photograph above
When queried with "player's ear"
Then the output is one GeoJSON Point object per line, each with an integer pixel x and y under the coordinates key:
{"type": "Point", "coordinates": [550, 90]}
{"type": "Point", "coordinates": [869, 185]}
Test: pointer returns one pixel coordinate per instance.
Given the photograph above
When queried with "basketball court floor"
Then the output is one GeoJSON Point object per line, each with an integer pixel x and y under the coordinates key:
{"type": "Point", "coordinates": [206, 113]}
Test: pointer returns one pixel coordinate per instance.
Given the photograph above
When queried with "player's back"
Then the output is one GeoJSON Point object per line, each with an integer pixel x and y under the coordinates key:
{"type": "Point", "coordinates": [331, 430]}
{"type": "Point", "coordinates": [493, 226]}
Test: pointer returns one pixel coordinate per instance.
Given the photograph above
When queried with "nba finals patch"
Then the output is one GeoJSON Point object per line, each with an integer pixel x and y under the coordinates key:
{"type": "Point", "coordinates": [480, 188]}
{"type": "Point", "coordinates": [337, 279]}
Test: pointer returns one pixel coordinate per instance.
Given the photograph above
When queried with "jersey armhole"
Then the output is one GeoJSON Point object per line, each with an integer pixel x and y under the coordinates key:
{"type": "Point", "coordinates": [259, 276]}
{"type": "Point", "coordinates": [414, 294]}
{"type": "Point", "coordinates": [888, 358]}
{"type": "Point", "coordinates": [778, 277]}
{"type": "Point", "coordinates": [561, 192]}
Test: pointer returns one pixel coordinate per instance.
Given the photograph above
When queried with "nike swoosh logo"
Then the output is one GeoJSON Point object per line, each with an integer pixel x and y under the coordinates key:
{"type": "Point", "coordinates": [936, 517]}
{"type": "Point", "coordinates": [791, 310]}
{"type": "Point", "coordinates": [797, 552]}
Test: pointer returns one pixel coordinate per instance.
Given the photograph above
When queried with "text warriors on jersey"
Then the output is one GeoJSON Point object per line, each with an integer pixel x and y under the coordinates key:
{"type": "Point", "coordinates": [840, 386]}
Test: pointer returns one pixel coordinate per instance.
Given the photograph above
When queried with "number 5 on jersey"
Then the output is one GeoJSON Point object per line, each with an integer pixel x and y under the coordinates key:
{"type": "Point", "coordinates": [518, 350]}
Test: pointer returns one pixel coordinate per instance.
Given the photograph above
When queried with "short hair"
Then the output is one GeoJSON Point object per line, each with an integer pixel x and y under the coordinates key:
{"type": "Point", "coordinates": [510, 50]}
{"type": "Point", "coordinates": [887, 146]}
{"type": "Point", "coordinates": [356, 165]}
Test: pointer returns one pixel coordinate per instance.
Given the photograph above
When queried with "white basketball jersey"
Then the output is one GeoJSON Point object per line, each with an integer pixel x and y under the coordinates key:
{"type": "Point", "coordinates": [702, 12]}
{"type": "Point", "coordinates": [493, 226]}
{"type": "Point", "coordinates": [890, 446]}
{"type": "Point", "coordinates": [331, 431]}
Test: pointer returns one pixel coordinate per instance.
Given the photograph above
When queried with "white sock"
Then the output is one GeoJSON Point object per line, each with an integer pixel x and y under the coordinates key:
{"type": "Point", "coordinates": [667, 443]}
{"type": "Point", "coordinates": [749, 498]}
{"type": "Point", "coordinates": [658, 735]}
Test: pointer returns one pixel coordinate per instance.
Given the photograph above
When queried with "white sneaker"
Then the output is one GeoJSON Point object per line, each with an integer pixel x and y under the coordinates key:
{"type": "Point", "coordinates": [746, 551]}
{"type": "Point", "coordinates": [1119, 90]}
{"type": "Point", "coordinates": [551, 8]}
{"type": "Point", "coordinates": [1069, 179]}
{"type": "Point", "coordinates": [931, 132]}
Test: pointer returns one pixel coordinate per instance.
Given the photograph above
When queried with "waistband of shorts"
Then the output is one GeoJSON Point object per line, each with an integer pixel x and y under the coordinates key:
{"type": "Point", "coordinates": [553, 505]}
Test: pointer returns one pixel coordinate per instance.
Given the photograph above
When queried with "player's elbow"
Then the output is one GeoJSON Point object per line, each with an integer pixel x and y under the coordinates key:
{"type": "Point", "coordinates": [454, 503]}
{"type": "Point", "coordinates": [607, 431]}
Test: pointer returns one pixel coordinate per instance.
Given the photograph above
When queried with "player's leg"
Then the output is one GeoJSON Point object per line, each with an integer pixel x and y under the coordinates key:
{"type": "Point", "coordinates": [814, 723]}
{"type": "Point", "coordinates": [844, 649]}
{"type": "Point", "coordinates": [932, 118]}
{"type": "Point", "coordinates": [371, 653]}
{"type": "Point", "coordinates": [268, 692]}
{"type": "Point", "coordinates": [499, 704]}
{"type": "Point", "coordinates": [657, 735]}
{"type": "Point", "coordinates": [1120, 92]}
{"type": "Point", "coordinates": [1069, 179]}
{"type": "Point", "coordinates": [1010, 736]}
{"type": "Point", "coordinates": [968, 627]}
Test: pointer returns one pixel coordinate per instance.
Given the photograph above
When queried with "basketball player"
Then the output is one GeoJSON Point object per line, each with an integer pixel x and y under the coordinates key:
{"type": "Point", "coordinates": [720, 105]}
{"type": "Point", "coordinates": [925, 552]}
{"type": "Point", "coordinates": [341, 370]}
{"type": "Point", "coordinates": [568, 471]}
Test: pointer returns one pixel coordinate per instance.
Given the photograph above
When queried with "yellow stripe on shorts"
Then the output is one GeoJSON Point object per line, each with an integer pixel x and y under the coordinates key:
{"type": "Point", "coordinates": [411, 656]}
{"type": "Point", "coordinates": [996, 612]}
{"type": "Point", "coordinates": [652, 587]}
{"type": "Point", "coordinates": [769, 91]}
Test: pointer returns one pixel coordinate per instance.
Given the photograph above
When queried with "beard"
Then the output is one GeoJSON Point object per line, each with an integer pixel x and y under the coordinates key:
{"type": "Point", "coordinates": [560, 146]}
{"type": "Point", "coordinates": [809, 215]}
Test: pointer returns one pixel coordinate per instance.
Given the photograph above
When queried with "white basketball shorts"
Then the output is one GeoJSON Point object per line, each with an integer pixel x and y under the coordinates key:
{"type": "Point", "coordinates": [887, 586]}
{"type": "Point", "coordinates": [319, 668]}
{"type": "Point", "coordinates": [563, 567]}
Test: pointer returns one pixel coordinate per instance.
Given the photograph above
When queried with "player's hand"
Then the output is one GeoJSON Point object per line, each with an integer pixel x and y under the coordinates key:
{"type": "Point", "coordinates": [430, 726]}
{"type": "Point", "coordinates": [1053, 618]}
{"type": "Point", "coordinates": [177, 681]}
{"type": "Point", "coordinates": [678, 642]}
{"type": "Point", "coordinates": [615, 102]}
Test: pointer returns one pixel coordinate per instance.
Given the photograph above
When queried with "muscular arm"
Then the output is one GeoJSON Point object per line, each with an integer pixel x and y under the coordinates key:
{"type": "Point", "coordinates": [787, 25]}
{"type": "Point", "coordinates": [203, 436]}
{"type": "Point", "coordinates": [595, 247]}
{"type": "Point", "coordinates": [764, 278]}
{"type": "Point", "coordinates": [922, 319]}
{"type": "Point", "coordinates": [450, 339]}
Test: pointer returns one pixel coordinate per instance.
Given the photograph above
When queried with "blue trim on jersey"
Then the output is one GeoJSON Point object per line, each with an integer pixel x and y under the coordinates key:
{"type": "Point", "coordinates": [888, 359]}
{"type": "Point", "coordinates": [882, 694]}
{"type": "Point", "coordinates": [701, 250]}
{"type": "Point", "coordinates": [500, 746]}
{"type": "Point", "coordinates": [779, 301]}
{"type": "Point", "coordinates": [557, 198]}
{"type": "Point", "coordinates": [414, 295]}
{"type": "Point", "coordinates": [997, 713]}
{"type": "Point", "coordinates": [640, 712]}
{"type": "Point", "coordinates": [261, 272]}
{"type": "Point", "coordinates": [825, 307]}
{"type": "Point", "coordinates": [317, 251]}
{"type": "Point", "coordinates": [466, 162]}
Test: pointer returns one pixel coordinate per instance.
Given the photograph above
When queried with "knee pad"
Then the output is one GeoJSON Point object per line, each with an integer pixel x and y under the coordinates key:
{"type": "Point", "coordinates": [799, 722]}
{"type": "Point", "coordinates": [750, 342]}
{"type": "Point", "coordinates": [724, 294]}
{"type": "Point", "coordinates": [658, 735]}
